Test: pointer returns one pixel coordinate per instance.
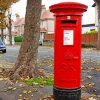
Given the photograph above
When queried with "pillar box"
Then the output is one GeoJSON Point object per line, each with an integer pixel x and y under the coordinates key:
{"type": "Point", "coordinates": [67, 50]}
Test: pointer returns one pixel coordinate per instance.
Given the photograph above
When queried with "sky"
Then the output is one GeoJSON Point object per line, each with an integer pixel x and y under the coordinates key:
{"type": "Point", "coordinates": [88, 17]}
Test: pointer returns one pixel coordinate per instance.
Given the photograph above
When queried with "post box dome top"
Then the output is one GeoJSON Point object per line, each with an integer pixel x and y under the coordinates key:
{"type": "Point", "coordinates": [68, 6]}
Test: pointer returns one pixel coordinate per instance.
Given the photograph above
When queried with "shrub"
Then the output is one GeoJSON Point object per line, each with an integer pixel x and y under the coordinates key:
{"type": "Point", "coordinates": [84, 45]}
{"type": "Point", "coordinates": [92, 32]}
{"type": "Point", "coordinates": [18, 38]}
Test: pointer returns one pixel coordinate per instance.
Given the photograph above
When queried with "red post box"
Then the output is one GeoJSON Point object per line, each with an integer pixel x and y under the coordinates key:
{"type": "Point", "coordinates": [67, 50]}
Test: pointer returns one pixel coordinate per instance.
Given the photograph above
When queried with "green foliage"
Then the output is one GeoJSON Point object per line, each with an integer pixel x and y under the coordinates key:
{"type": "Point", "coordinates": [40, 81]}
{"type": "Point", "coordinates": [84, 45]}
{"type": "Point", "coordinates": [18, 38]}
{"type": "Point", "coordinates": [92, 32]}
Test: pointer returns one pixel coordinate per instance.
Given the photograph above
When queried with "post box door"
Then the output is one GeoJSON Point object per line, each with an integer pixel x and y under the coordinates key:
{"type": "Point", "coordinates": [67, 61]}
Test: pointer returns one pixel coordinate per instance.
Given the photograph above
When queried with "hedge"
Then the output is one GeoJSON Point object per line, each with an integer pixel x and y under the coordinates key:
{"type": "Point", "coordinates": [91, 32]}
{"type": "Point", "coordinates": [18, 38]}
{"type": "Point", "coordinates": [84, 45]}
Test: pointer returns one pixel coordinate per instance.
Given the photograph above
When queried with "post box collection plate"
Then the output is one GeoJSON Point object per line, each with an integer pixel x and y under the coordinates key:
{"type": "Point", "coordinates": [68, 37]}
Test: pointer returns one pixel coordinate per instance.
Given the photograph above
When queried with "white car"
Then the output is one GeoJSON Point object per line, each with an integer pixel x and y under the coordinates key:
{"type": "Point", "coordinates": [40, 42]}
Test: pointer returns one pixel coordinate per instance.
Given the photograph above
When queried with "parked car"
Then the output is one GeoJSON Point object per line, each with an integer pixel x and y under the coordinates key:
{"type": "Point", "coordinates": [40, 42]}
{"type": "Point", "coordinates": [2, 47]}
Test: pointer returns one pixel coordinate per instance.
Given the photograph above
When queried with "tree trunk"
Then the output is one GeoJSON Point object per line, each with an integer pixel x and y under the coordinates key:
{"type": "Point", "coordinates": [2, 34]}
{"type": "Point", "coordinates": [25, 65]}
{"type": "Point", "coordinates": [98, 42]}
{"type": "Point", "coordinates": [9, 28]}
{"type": "Point", "coordinates": [98, 10]}
{"type": "Point", "coordinates": [2, 27]}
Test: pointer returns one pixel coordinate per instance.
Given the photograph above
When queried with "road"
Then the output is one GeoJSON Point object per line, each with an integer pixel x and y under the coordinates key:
{"type": "Point", "coordinates": [44, 52]}
{"type": "Point", "coordinates": [90, 61]}
{"type": "Point", "coordinates": [12, 53]}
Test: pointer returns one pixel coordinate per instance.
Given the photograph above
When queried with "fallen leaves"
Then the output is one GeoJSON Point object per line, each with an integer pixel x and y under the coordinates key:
{"type": "Point", "coordinates": [10, 88]}
{"type": "Point", "coordinates": [1, 68]}
{"type": "Point", "coordinates": [47, 97]}
{"type": "Point", "coordinates": [97, 69]}
{"type": "Point", "coordinates": [26, 98]}
{"type": "Point", "coordinates": [48, 63]}
{"type": "Point", "coordinates": [42, 86]}
{"type": "Point", "coordinates": [85, 96]}
{"type": "Point", "coordinates": [1, 79]}
{"type": "Point", "coordinates": [6, 65]}
{"type": "Point", "coordinates": [14, 88]}
{"type": "Point", "coordinates": [89, 85]}
{"type": "Point", "coordinates": [1, 65]}
{"type": "Point", "coordinates": [89, 77]}
{"type": "Point", "coordinates": [20, 97]}
{"type": "Point", "coordinates": [45, 62]}
{"type": "Point", "coordinates": [91, 98]}
{"type": "Point", "coordinates": [26, 93]}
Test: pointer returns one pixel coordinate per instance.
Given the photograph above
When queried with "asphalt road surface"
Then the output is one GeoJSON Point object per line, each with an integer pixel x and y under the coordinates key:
{"type": "Point", "coordinates": [44, 52]}
{"type": "Point", "coordinates": [90, 57]}
{"type": "Point", "coordinates": [12, 53]}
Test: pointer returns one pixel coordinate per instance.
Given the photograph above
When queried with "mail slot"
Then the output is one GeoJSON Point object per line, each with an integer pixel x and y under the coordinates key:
{"type": "Point", "coordinates": [68, 21]}
{"type": "Point", "coordinates": [67, 50]}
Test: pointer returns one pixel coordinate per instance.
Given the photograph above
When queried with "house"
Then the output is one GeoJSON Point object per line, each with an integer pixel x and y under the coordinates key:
{"type": "Point", "coordinates": [18, 25]}
{"type": "Point", "coordinates": [46, 24]}
{"type": "Point", "coordinates": [47, 20]}
{"type": "Point", "coordinates": [96, 15]}
{"type": "Point", "coordinates": [6, 34]}
{"type": "Point", "coordinates": [88, 27]}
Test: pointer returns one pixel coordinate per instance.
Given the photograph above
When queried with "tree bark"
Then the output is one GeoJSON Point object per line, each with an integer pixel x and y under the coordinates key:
{"type": "Point", "coordinates": [98, 42]}
{"type": "Point", "coordinates": [2, 37]}
{"type": "Point", "coordinates": [9, 28]}
{"type": "Point", "coordinates": [98, 10]}
{"type": "Point", "coordinates": [2, 23]}
{"type": "Point", "coordinates": [25, 65]}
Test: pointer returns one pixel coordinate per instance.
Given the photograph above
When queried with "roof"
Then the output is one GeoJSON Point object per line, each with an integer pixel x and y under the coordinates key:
{"type": "Point", "coordinates": [94, 5]}
{"type": "Point", "coordinates": [43, 30]}
{"type": "Point", "coordinates": [14, 33]}
{"type": "Point", "coordinates": [88, 25]}
{"type": "Point", "coordinates": [47, 15]}
{"type": "Point", "coordinates": [19, 22]}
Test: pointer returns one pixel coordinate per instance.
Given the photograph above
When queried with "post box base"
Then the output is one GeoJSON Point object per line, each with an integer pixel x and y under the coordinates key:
{"type": "Point", "coordinates": [67, 94]}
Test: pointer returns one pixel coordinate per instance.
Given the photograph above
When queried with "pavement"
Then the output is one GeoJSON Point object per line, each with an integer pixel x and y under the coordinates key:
{"type": "Point", "coordinates": [20, 91]}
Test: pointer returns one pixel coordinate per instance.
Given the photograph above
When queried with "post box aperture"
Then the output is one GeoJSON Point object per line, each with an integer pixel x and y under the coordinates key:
{"type": "Point", "coordinates": [68, 21]}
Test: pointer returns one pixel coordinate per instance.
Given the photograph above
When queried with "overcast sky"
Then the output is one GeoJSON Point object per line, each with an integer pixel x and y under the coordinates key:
{"type": "Point", "coordinates": [88, 17]}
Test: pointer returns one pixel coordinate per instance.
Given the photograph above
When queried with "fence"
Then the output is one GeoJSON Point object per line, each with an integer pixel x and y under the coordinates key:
{"type": "Point", "coordinates": [89, 38]}
{"type": "Point", "coordinates": [86, 38]}
{"type": "Point", "coordinates": [48, 37]}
